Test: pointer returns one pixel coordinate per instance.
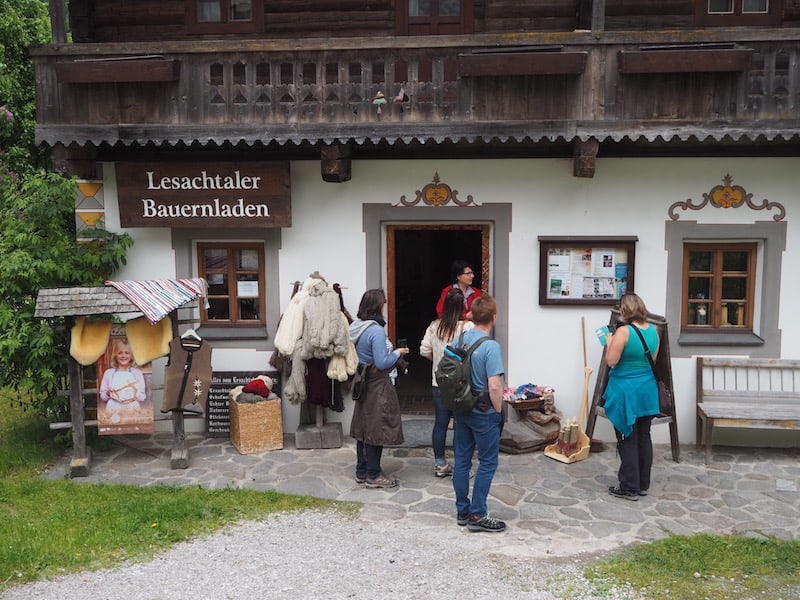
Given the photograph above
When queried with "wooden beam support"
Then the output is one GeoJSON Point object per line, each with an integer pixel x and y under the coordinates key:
{"type": "Point", "coordinates": [584, 157]}
{"type": "Point", "coordinates": [336, 162]}
{"type": "Point", "coordinates": [77, 161]}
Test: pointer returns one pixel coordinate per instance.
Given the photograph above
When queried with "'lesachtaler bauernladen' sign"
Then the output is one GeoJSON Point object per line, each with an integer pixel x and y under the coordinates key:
{"type": "Point", "coordinates": [204, 194]}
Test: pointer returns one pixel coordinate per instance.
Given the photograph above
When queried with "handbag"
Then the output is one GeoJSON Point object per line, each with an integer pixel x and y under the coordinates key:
{"type": "Point", "coordinates": [665, 398]}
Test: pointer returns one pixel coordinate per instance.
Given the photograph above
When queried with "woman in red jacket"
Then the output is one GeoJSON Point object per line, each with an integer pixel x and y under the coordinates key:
{"type": "Point", "coordinates": [462, 275]}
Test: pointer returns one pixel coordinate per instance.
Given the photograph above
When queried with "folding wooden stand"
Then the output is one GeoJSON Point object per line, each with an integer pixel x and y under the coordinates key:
{"type": "Point", "coordinates": [663, 371]}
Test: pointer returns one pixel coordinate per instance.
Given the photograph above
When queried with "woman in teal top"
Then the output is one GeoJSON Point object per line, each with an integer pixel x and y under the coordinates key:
{"type": "Point", "coordinates": [631, 397]}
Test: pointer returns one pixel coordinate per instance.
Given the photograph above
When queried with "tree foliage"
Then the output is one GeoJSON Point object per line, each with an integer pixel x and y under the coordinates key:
{"type": "Point", "coordinates": [37, 220]}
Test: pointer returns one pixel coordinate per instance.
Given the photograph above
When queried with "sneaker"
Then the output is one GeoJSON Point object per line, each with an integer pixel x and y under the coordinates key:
{"type": "Point", "coordinates": [443, 470]}
{"type": "Point", "coordinates": [381, 481]}
{"type": "Point", "coordinates": [643, 492]}
{"type": "Point", "coordinates": [620, 493]}
{"type": "Point", "coordinates": [361, 477]}
{"type": "Point", "coordinates": [485, 523]}
{"type": "Point", "coordinates": [462, 519]}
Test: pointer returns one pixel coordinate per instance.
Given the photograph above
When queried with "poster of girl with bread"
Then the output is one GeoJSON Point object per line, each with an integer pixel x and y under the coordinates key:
{"type": "Point", "coordinates": [125, 394]}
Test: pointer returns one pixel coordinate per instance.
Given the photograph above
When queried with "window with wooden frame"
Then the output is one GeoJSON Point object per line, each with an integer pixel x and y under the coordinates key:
{"type": "Point", "coordinates": [434, 17]}
{"type": "Point", "coordinates": [235, 276]}
{"type": "Point", "coordinates": [735, 13]}
{"type": "Point", "coordinates": [719, 286]}
{"type": "Point", "coordinates": [225, 16]}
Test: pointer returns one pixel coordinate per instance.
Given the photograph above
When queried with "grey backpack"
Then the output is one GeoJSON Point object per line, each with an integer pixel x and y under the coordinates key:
{"type": "Point", "coordinates": [454, 376]}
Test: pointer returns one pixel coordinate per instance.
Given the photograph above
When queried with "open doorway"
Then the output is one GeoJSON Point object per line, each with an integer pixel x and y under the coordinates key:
{"type": "Point", "coordinates": [419, 259]}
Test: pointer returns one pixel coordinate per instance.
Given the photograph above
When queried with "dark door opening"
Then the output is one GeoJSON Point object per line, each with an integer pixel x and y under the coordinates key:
{"type": "Point", "coordinates": [422, 258]}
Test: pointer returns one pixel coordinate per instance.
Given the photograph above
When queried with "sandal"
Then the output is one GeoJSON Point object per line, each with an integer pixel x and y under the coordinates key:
{"type": "Point", "coordinates": [381, 481]}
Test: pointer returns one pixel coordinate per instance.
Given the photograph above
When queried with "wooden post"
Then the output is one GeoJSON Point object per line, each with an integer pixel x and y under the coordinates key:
{"type": "Point", "coordinates": [58, 21]}
{"type": "Point", "coordinates": [180, 454]}
{"type": "Point", "coordinates": [598, 16]}
{"type": "Point", "coordinates": [81, 455]}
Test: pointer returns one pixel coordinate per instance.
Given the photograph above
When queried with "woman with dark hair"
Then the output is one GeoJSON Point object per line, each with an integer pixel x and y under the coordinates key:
{"type": "Point", "coordinates": [439, 334]}
{"type": "Point", "coordinates": [631, 396]}
{"type": "Point", "coordinates": [462, 274]}
{"type": "Point", "coordinates": [376, 417]}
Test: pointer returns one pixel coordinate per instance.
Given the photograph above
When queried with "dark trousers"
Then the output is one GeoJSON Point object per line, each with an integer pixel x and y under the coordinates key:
{"type": "Point", "coordinates": [368, 459]}
{"type": "Point", "coordinates": [636, 456]}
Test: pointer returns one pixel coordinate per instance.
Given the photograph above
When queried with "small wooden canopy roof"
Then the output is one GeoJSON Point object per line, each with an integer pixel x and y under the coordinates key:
{"type": "Point", "coordinates": [83, 301]}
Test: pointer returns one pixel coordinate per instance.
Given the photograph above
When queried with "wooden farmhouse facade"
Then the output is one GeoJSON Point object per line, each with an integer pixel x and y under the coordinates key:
{"type": "Point", "coordinates": [569, 149]}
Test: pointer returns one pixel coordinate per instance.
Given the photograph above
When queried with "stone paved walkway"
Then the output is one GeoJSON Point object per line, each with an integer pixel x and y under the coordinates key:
{"type": "Point", "coordinates": [551, 508]}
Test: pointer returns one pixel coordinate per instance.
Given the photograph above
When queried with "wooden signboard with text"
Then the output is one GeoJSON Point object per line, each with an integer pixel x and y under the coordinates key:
{"type": "Point", "coordinates": [204, 194]}
{"type": "Point", "coordinates": [218, 415]}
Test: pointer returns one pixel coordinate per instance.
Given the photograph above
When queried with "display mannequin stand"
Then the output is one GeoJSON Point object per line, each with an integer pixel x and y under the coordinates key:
{"type": "Point", "coordinates": [319, 434]}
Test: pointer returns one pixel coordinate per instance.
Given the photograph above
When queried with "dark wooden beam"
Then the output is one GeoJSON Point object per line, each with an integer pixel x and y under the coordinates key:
{"type": "Point", "coordinates": [336, 162]}
{"type": "Point", "coordinates": [58, 21]}
{"type": "Point", "coordinates": [598, 16]}
{"type": "Point", "coordinates": [684, 61]}
{"type": "Point", "coordinates": [74, 160]}
{"type": "Point", "coordinates": [584, 157]}
{"type": "Point", "coordinates": [521, 63]}
{"type": "Point", "coordinates": [118, 71]}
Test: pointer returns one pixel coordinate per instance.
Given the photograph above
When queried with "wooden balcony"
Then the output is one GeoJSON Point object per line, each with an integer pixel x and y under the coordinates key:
{"type": "Point", "coordinates": [720, 84]}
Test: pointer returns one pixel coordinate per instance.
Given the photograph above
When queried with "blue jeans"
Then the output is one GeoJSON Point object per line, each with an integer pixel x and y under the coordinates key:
{"type": "Point", "coordinates": [440, 423]}
{"type": "Point", "coordinates": [473, 430]}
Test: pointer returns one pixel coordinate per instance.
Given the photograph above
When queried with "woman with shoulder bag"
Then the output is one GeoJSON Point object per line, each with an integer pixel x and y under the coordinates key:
{"type": "Point", "coordinates": [631, 396]}
{"type": "Point", "coordinates": [376, 416]}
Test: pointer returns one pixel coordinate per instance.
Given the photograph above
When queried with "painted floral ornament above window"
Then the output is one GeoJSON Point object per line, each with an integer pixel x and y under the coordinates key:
{"type": "Point", "coordinates": [728, 195]}
{"type": "Point", "coordinates": [437, 194]}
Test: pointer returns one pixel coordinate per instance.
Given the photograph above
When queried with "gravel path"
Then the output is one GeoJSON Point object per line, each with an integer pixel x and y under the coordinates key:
{"type": "Point", "coordinates": [325, 555]}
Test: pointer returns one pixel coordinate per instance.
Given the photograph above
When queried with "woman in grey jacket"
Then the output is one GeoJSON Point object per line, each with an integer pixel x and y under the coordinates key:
{"type": "Point", "coordinates": [376, 417]}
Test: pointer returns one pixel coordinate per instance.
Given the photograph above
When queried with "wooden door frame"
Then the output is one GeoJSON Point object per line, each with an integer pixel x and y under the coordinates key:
{"type": "Point", "coordinates": [391, 288]}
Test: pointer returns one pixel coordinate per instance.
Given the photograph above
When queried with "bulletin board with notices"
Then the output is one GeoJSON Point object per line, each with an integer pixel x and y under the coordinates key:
{"type": "Point", "coordinates": [585, 270]}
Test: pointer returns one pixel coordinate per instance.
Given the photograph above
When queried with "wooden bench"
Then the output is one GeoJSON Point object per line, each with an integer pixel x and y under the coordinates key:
{"type": "Point", "coordinates": [748, 393]}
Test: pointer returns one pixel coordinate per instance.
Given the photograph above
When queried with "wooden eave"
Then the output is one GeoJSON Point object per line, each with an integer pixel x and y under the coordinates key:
{"type": "Point", "coordinates": [434, 132]}
{"type": "Point", "coordinates": [706, 60]}
{"type": "Point", "coordinates": [148, 69]}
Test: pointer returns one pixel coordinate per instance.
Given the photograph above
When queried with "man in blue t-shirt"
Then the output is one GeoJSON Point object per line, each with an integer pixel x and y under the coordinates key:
{"type": "Point", "coordinates": [481, 427]}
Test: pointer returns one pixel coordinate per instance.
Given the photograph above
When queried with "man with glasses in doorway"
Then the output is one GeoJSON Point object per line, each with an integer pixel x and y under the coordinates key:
{"type": "Point", "coordinates": [462, 274]}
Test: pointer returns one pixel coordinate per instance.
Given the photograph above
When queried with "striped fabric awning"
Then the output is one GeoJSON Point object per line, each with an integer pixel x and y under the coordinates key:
{"type": "Point", "coordinates": [156, 298]}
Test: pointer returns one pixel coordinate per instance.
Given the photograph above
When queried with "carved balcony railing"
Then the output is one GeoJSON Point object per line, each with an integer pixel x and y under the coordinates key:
{"type": "Point", "coordinates": [537, 86]}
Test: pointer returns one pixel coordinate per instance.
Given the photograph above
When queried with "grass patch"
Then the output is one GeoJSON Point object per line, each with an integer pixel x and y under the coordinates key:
{"type": "Point", "coordinates": [56, 527]}
{"type": "Point", "coordinates": [711, 567]}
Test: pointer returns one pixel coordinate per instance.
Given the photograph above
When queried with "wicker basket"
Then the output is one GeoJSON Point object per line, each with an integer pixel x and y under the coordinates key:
{"type": "Point", "coordinates": [256, 427]}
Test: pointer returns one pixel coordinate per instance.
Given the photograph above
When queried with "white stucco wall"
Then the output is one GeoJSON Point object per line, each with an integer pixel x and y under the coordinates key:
{"type": "Point", "coordinates": [626, 197]}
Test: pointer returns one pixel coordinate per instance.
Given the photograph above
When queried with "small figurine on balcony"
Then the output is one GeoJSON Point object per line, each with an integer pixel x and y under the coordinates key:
{"type": "Point", "coordinates": [400, 98]}
{"type": "Point", "coordinates": [379, 101]}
